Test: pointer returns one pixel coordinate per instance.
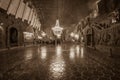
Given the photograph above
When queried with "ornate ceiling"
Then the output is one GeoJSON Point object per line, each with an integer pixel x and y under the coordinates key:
{"type": "Point", "coordinates": [69, 12]}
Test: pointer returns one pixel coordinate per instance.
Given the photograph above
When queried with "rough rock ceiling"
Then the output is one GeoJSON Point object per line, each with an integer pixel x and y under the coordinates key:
{"type": "Point", "coordinates": [68, 11]}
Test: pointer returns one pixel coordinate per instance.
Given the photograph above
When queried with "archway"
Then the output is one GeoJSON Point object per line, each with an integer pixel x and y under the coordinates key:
{"type": "Point", "coordinates": [13, 36]}
{"type": "Point", "coordinates": [90, 37]}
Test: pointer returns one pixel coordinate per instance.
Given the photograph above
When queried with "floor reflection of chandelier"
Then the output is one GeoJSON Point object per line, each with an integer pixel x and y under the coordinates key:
{"type": "Point", "coordinates": [57, 30]}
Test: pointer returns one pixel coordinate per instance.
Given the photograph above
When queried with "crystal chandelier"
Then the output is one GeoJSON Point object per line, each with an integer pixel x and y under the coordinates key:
{"type": "Point", "coordinates": [57, 30]}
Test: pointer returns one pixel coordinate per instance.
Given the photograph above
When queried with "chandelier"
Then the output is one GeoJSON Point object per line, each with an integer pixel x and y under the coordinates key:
{"type": "Point", "coordinates": [57, 30]}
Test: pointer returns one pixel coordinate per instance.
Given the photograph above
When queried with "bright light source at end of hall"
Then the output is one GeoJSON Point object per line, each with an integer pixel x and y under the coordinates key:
{"type": "Point", "coordinates": [77, 36]}
{"type": "Point", "coordinates": [72, 34]}
{"type": "Point", "coordinates": [43, 34]}
{"type": "Point", "coordinates": [57, 30]}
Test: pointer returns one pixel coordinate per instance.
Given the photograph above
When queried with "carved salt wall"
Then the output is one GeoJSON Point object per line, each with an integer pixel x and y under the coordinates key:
{"type": "Point", "coordinates": [108, 37]}
{"type": "Point", "coordinates": [7, 22]}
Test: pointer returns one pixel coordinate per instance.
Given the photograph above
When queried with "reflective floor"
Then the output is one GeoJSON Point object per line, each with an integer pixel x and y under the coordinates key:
{"type": "Point", "coordinates": [61, 62]}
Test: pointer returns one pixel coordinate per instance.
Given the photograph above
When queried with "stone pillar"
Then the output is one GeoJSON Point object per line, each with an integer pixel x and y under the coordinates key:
{"type": "Point", "coordinates": [7, 38]}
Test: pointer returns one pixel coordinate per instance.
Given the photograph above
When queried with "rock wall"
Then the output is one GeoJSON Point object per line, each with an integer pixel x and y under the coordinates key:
{"type": "Point", "coordinates": [109, 36]}
{"type": "Point", "coordinates": [7, 22]}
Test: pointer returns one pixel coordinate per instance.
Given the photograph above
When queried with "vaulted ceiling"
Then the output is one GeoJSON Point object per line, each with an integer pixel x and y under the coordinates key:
{"type": "Point", "coordinates": [69, 12]}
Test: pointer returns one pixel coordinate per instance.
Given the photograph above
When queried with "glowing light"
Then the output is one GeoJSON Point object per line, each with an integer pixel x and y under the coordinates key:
{"type": "Point", "coordinates": [39, 37]}
{"type": "Point", "coordinates": [57, 67]}
{"type": "Point", "coordinates": [28, 35]}
{"type": "Point", "coordinates": [77, 50]}
{"type": "Point", "coordinates": [57, 30]}
{"type": "Point", "coordinates": [1, 27]}
{"type": "Point", "coordinates": [77, 36]}
{"type": "Point", "coordinates": [82, 38]}
{"type": "Point", "coordinates": [43, 34]}
{"type": "Point", "coordinates": [43, 52]}
{"type": "Point", "coordinates": [95, 14]}
{"type": "Point", "coordinates": [72, 53]}
{"type": "Point", "coordinates": [58, 50]}
{"type": "Point", "coordinates": [82, 52]}
{"type": "Point", "coordinates": [51, 38]}
{"type": "Point", "coordinates": [114, 21]}
{"type": "Point", "coordinates": [72, 34]}
{"type": "Point", "coordinates": [28, 55]}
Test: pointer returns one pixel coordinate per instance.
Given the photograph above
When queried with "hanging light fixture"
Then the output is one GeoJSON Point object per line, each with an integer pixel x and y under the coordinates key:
{"type": "Point", "coordinates": [57, 29]}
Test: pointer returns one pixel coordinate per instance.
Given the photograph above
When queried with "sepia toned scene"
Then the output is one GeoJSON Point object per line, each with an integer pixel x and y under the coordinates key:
{"type": "Point", "coordinates": [59, 39]}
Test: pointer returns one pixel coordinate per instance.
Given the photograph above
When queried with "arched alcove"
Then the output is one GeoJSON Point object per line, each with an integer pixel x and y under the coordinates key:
{"type": "Point", "coordinates": [90, 37]}
{"type": "Point", "coordinates": [13, 36]}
